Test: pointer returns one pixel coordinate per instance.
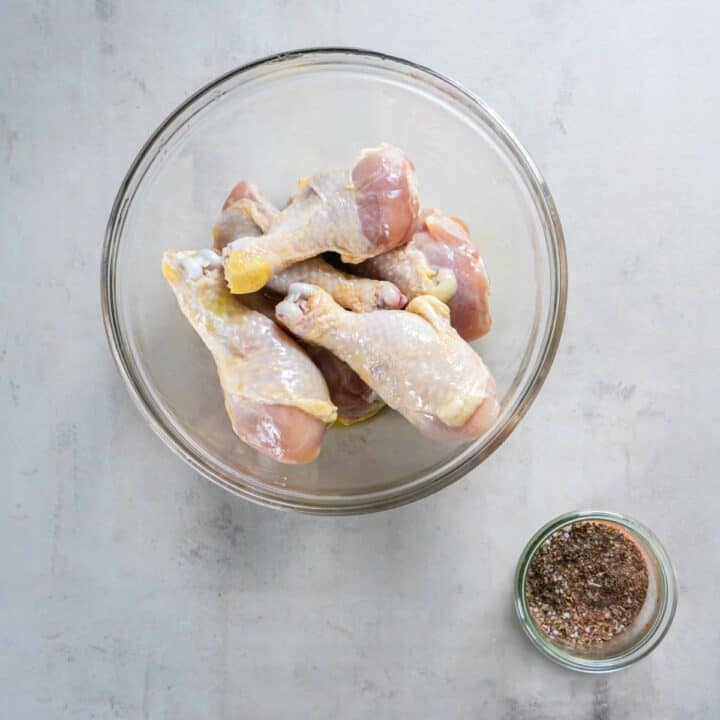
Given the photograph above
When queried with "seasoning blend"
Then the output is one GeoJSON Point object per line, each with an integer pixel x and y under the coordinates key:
{"type": "Point", "coordinates": [595, 591]}
{"type": "Point", "coordinates": [586, 584]}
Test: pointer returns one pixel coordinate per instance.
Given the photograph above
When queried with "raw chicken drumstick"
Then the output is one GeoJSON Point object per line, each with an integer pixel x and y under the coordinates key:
{"type": "Point", "coordinates": [359, 213]}
{"type": "Point", "coordinates": [413, 359]}
{"type": "Point", "coordinates": [440, 260]}
{"type": "Point", "coordinates": [276, 398]}
{"type": "Point", "coordinates": [248, 213]}
{"type": "Point", "coordinates": [352, 292]}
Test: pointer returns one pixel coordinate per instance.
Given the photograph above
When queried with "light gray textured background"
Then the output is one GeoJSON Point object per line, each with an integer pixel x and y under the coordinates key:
{"type": "Point", "coordinates": [130, 587]}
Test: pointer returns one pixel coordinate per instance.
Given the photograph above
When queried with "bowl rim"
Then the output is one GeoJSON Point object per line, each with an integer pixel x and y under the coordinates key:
{"type": "Point", "coordinates": [647, 642]}
{"type": "Point", "coordinates": [352, 504]}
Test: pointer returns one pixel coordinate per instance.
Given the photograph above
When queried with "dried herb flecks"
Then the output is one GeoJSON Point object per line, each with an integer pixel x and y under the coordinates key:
{"type": "Point", "coordinates": [586, 584]}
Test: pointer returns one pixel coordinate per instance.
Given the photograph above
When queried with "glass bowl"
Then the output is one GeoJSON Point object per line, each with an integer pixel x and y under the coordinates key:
{"type": "Point", "coordinates": [272, 122]}
{"type": "Point", "coordinates": [651, 623]}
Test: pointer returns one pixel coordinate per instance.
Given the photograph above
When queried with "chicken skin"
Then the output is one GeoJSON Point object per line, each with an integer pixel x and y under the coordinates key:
{"type": "Point", "coordinates": [247, 213]}
{"type": "Point", "coordinates": [361, 213]}
{"type": "Point", "coordinates": [413, 359]}
{"type": "Point", "coordinates": [440, 260]}
{"type": "Point", "coordinates": [276, 397]}
{"type": "Point", "coordinates": [352, 292]}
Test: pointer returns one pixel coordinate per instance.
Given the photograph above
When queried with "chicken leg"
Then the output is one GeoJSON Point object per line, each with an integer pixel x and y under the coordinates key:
{"type": "Point", "coordinates": [246, 212]}
{"type": "Point", "coordinates": [354, 293]}
{"type": "Point", "coordinates": [367, 211]}
{"type": "Point", "coordinates": [413, 359]}
{"type": "Point", "coordinates": [276, 398]}
{"type": "Point", "coordinates": [440, 260]}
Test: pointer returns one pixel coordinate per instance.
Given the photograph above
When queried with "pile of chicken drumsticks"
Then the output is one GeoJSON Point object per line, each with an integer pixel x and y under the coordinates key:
{"type": "Point", "coordinates": [349, 299]}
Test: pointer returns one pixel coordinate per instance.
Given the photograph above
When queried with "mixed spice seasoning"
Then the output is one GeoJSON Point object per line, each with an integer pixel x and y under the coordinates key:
{"type": "Point", "coordinates": [586, 584]}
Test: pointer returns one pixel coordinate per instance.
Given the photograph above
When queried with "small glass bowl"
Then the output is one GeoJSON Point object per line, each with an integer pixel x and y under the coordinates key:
{"type": "Point", "coordinates": [652, 622]}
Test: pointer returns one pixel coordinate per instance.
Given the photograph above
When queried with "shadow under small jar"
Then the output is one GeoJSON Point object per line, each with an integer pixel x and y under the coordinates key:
{"type": "Point", "coordinates": [648, 626]}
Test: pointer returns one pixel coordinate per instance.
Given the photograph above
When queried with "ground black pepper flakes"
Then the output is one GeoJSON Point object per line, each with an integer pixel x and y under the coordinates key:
{"type": "Point", "coordinates": [586, 584]}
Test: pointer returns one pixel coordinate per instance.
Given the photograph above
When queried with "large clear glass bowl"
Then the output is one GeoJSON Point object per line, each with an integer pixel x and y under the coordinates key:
{"type": "Point", "coordinates": [274, 121]}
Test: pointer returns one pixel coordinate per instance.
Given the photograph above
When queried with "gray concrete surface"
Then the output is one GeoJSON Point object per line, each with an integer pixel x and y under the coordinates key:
{"type": "Point", "coordinates": [130, 587]}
